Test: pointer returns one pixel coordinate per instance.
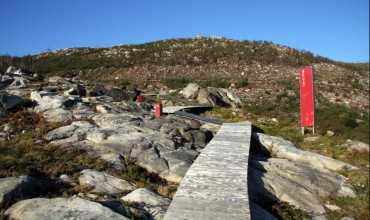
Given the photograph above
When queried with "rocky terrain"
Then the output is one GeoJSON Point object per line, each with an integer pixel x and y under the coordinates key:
{"type": "Point", "coordinates": [74, 143]}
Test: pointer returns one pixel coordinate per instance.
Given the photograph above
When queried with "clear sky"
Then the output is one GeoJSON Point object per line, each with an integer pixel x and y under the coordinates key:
{"type": "Point", "coordinates": [338, 29]}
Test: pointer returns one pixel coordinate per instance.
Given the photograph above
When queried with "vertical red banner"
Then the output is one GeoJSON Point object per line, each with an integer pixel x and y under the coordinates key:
{"type": "Point", "coordinates": [306, 97]}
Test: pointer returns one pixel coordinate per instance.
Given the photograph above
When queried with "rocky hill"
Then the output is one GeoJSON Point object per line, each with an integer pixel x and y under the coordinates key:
{"type": "Point", "coordinates": [260, 69]}
{"type": "Point", "coordinates": [72, 135]}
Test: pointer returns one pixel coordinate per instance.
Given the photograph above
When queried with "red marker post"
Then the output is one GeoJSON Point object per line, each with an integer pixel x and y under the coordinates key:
{"type": "Point", "coordinates": [139, 99]}
{"type": "Point", "coordinates": [157, 110]}
{"type": "Point", "coordinates": [307, 102]}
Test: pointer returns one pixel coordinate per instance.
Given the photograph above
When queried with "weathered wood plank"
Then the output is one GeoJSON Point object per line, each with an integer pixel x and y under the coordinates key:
{"type": "Point", "coordinates": [197, 117]}
{"type": "Point", "coordinates": [215, 187]}
{"type": "Point", "coordinates": [173, 109]}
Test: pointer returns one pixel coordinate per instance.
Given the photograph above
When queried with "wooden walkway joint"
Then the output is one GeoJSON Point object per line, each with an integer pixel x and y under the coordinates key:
{"type": "Point", "coordinates": [215, 186]}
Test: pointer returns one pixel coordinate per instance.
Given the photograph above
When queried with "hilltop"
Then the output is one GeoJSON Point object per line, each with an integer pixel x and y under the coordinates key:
{"type": "Point", "coordinates": [185, 52]}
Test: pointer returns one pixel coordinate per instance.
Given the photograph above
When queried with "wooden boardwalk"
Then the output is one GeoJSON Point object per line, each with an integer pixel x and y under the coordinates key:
{"type": "Point", "coordinates": [173, 109]}
{"type": "Point", "coordinates": [215, 187]}
{"type": "Point", "coordinates": [198, 117]}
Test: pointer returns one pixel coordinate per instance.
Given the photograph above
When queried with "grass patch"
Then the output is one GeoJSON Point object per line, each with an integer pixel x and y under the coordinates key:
{"type": "Point", "coordinates": [283, 129]}
{"type": "Point", "coordinates": [226, 114]}
{"type": "Point", "coordinates": [286, 212]}
{"type": "Point", "coordinates": [175, 83]}
{"type": "Point", "coordinates": [343, 121]}
{"type": "Point", "coordinates": [25, 153]}
{"type": "Point", "coordinates": [242, 83]}
{"type": "Point", "coordinates": [347, 123]}
{"type": "Point", "coordinates": [217, 83]}
{"type": "Point", "coordinates": [357, 208]}
{"type": "Point", "coordinates": [21, 156]}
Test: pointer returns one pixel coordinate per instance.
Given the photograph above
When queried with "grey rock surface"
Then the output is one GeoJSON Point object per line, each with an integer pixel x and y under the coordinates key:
{"type": "Point", "coordinates": [15, 188]}
{"type": "Point", "coordinates": [285, 149]}
{"type": "Point", "coordinates": [10, 102]}
{"type": "Point", "coordinates": [154, 204]}
{"type": "Point", "coordinates": [123, 135]}
{"type": "Point", "coordinates": [103, 183]}
{"type": "Point", "coordinates": [294, 183]}
{"type": "Point", "coordinates": [58, 115]}
{"type": "Point", "coordinates": [60, 209]}
{"type": "Point", "coordinates": [190, 91]}
{"type": "Point", "coordinates": [356, 146]}
{"type": "Point", "coordinates": [19, 82]}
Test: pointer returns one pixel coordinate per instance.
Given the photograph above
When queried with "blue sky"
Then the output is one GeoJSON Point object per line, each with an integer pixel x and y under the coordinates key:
{"type": "Point", "coordinates": [338, 29]}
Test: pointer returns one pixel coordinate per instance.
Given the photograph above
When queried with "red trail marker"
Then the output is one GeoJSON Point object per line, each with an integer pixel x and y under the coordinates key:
{"type": "Point", "coordinates": [307, 103]}
{"type": "Point", "coordinates": [158, 110]}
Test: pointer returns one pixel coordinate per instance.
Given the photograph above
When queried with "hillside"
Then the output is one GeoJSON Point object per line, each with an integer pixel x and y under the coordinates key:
{"type": "Point", "coordinates": [264, 67]}
{"type": "Point", "coordinates": [72, 130]}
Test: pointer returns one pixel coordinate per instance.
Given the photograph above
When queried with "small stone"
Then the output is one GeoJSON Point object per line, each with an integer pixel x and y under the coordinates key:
{"type": "Point", "coordinates": [347, 218]}
{"type": "Point", "coordinates": [91, 196]}
{"type": "Point", "coordinates": [65, 178]}
{"type": "Point", "coordinates": [332, 207]}
{"type": "Point", "coordinates": [274, 120]}
{"type": "Point", "coordinates": [190, 91]}
{"type": "Point", "coordinates": [356, 146]}
{"type": "Point", "coordinates": [359, 121]}
{"type": "Point", "coordinates": [311, 139]}
{"type": "Point", "coordinates": [102, 109]}
{"type": "Point", "coordinates": [58, 115]}
{"type": "Point", "coordinates": [154, 204]}
{"type": "Point", "coordinates": [8, 128]}
{"type": "Point", "coordinates": [330, 133]}
{"type": "Point", "coordinates": [319, 217]}
{"type": "Point", "coordinates": [104, 183]}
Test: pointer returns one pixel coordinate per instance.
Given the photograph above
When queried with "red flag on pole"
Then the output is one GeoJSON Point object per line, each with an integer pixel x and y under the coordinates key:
{"type": "Point", "coordinates": [306, 97]}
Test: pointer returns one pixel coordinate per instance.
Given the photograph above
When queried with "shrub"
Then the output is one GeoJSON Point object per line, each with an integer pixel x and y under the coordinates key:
{"type": "Point", "coordinates": [342, 120]}
{"type": "Point", "coordinates": [218, 83]}
{"type": "Point", "coordinates": [175, 83]}
{"type": "Point", "coordinates": [242, 83]}
{"type": "Point", "coordinates": [124, 83]}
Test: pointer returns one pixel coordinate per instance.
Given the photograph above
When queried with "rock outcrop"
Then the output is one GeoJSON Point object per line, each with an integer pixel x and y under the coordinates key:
{"type": "Point", "coordinates": [60, 209]}
{"type": "Point", "coordinates": [10, 103]}
{"type": "Point", "coordinates": [167, 150]}
{"type": "Point", "coordinates": [16, 188]}
{"type": "Point", "coordinates": [285, 149]}
{"type": "Point", "coordinates": [211, 96]}
{"type": "Point", "coordinates": [154, 204]}
{"type": "Point", "coordinates": [297, 184]}
{"type": "Point", "coordinates": [356, 146]}
{"type": "Point", "coordinates": [103, 183]}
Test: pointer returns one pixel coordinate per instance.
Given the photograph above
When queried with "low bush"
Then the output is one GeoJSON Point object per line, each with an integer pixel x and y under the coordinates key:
{"type": "Point", "coordinates": [217, 83]}
{"type": "Point", "coordinates": [241, 83]}
{"type": "Point", "coordinates": [175, 83]}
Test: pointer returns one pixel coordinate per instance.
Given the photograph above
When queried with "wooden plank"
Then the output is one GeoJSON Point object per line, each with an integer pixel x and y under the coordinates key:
{"type": "Point", "coordinates": [198, 117]}
{"type": "Point", "coordinates": [173, 109]}
{"type": "Point", "coordinates": [215, 187]}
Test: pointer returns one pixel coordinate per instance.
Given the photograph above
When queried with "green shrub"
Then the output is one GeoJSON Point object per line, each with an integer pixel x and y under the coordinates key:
{"type": "Point", "coordinates": [342, 120]}
{"type": "Point", "coordinates": [242, 83]}
{"type": "Point", "coordinates": [218, 83]}
{"type": "Point", "coordinates": [175, 83]}
{"type": "Point", "coordinates": [124, 83]}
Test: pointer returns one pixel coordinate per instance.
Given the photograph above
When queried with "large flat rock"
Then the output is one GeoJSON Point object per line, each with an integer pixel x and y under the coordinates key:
{"type": "Point", "coordinates": [60, 208]}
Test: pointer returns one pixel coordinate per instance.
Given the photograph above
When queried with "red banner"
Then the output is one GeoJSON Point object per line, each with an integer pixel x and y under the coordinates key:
{"type": "Point", "coordinates": [306, 97]}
